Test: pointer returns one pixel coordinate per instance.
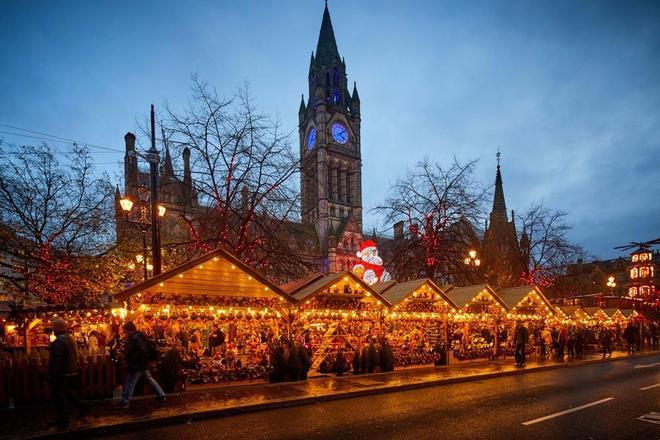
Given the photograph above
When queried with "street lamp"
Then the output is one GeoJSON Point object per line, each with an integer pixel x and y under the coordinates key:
{"type": "Point", "coordinates": [143, 222]}
{"type": "Point", "coordinates": [611, 283]}
{"type": "Point", "coordinates": [471, 259]}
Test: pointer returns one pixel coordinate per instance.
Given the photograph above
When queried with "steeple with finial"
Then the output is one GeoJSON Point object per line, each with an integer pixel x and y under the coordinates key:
{"type": "Point", "coordinates": [499, 205]}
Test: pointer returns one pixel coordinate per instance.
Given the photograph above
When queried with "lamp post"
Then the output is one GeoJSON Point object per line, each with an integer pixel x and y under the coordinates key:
{"type": "Point", "coordinates": [472, 262]}
{"type": "Point", "coordinates": [145, 222]}
{"type": "Point", "coordinates": [611, 283]}
{"type": "Point", "coordinates": [152, 194]}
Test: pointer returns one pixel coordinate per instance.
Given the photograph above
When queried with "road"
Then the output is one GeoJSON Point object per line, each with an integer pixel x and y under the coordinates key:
{"type": "Point", "coordinates": [601, 401]}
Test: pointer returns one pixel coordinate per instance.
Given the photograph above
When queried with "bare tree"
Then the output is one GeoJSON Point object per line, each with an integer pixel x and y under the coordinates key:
{"type": "Point", "coordinates": [544, 245]}
{"type": "Point", "coordinates": [56, 215]}
{"type": "Point", "coordinates": [439, 207]}
{"type": "Point", "coordinates": [244, 169]}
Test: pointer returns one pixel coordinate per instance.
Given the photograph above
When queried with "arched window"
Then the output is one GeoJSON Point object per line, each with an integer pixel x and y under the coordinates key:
{"type": "Point", "coordinates": [632, 291]}
{"type": "Point", "coordinates": [633, 273]}
{"type": "Point", "coordinates": [644, 272]}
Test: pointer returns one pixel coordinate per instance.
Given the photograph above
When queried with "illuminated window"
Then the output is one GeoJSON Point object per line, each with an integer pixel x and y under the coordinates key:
{"type": "Point", "coordinates": [633, 273]}
{"type": "Point", "coordinates": [632, 291]}
{"type": "Point", "coordinates": [643, 272]}
{"type": "Point", "coordinates": [643, 257]}
{"type": "Point", "coordinates": [635, 258]}
{"type": "Point", "coordinates": [650, 256]}
{"type": "Point", "coordinates": [644, 290]}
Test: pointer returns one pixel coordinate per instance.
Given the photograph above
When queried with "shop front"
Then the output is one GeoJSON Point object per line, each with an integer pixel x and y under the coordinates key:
{"type": "Point", "coordinates": [215, 315]}
{"type": "Point", "coordinates": [478, 325]}
{"type": "Point", "coordinates": [338, 317]}
{"type": "Point", "coordinates": [418, 322]}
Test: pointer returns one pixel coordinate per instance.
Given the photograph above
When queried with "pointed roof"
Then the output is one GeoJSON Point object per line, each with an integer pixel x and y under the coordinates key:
{"type": "Point", "coordinates": [355, 96]}
{"type": "Point", "coordinates": [302, 105]}
{"type": "Point", "coordinates": [499, 205]}
{"type": "Point", "coordinates": [396, 293]}
{"type": "Point", "coordinates": [168, 169]}
{"type": "Point", "coordinates": [312, 289]}
{"type": "Point", "coordinates": [461, 296]}
{"type": "Point", "coordinates": [381, 287]}
{"type": "Point", "coordinates": [217, 273]}
{"type": "Point", "coordinates": [514, 295]}
{"type": "Point", "coordinates": [299, 284]}
{"type": "Point", "coordinates": [326, 48]}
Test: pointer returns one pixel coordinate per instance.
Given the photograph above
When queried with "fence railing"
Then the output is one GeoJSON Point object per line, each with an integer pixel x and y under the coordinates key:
{"type": "Point", "coordinates": [24, 381]}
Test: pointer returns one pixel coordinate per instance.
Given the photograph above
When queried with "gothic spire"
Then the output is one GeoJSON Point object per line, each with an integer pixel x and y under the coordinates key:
{"type": "Point", "coordinates": [302, 108]}
{"type": "Point", "coordinates": [355, 96]}
{"type": "Point", "coordinates": [168, 169]}
{"type": "Point", "coordinates": [499, 205]}
{"type": "Point", "coordinates": [326, 48]}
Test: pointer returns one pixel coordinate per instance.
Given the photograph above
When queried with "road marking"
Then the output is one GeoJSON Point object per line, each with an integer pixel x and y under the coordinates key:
{"type": "Point", "coordinates": [647, 365]}
{"type": "Point", "coordinates": [649, 387]}
{"type": "Point", "coordinates": [577, 408]}
{"type": "Point", "coordinates": [652, 417]}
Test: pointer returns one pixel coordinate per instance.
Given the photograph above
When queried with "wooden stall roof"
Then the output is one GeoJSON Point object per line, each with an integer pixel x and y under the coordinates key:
{"type": "Point", "coordinates": [312, 289]}
{"type": "Point", "coordinates": [628, 312]}
{"type": "Point", "coordinates": [217, 273]}
{"type": "Point", "coordinates": [591, 311]}
{"type": "Point", "coordinates": [381, 287]}
{"type": "Point", "coordinates": [570, 311]}
{"type": "Point", "coordinates": [610, 311]}
{"type": "Point", "coordinates": [398, 292]}
{"type": "Point", "coordinates": [302, 282]}
{"type": "Point", "coordinates": [512, 296]}
{"type": "Point", "coordinates": [463, 295]}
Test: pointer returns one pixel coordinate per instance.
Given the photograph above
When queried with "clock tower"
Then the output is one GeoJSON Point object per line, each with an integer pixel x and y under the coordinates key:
{"type": "Point", "coordinates": [331, 175]}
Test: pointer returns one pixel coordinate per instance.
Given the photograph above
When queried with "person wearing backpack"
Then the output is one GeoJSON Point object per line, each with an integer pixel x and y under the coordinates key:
{"type": "Point", "coordinates": [138, 355]}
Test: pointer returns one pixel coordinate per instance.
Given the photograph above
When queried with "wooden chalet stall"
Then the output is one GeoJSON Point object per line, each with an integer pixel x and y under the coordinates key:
{"type": "Point", "coordinates": [526, 304]}
{"type": "Point", "coordinates": [183, 309]}
{"type": "Point", "coordinates": [337, 314]}
{"type": "Point", "coordinates": [478, 322]}
{"type": "Point", "coordinates": [575, 315]}
{"type": "Point", "coordinates": [417, 323]}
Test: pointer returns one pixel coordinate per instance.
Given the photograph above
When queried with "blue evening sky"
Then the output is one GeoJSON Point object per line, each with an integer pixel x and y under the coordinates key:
{"type": "Point", "coordinates": [569, 90]}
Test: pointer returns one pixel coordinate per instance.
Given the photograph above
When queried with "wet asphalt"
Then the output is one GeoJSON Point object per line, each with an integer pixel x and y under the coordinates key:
{"type": "Point", "coordinates": [488, 409]}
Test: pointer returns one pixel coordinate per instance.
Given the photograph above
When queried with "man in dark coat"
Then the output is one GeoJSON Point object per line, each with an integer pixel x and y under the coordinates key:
{"type": "Point", "coordinates": [137, 364]}
{"type": "Point", "coordinates": [606, 341]}
{"type": "Point", "coordinates": [63, 374]}
{"type": "Point", "coordinates": [520, 339]}
{"type": "Point", "coordinates": [629, 334]}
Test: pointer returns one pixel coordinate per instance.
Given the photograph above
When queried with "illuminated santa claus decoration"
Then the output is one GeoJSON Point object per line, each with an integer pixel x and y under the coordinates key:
{"type": "Point", "coordinates": [370, 269]}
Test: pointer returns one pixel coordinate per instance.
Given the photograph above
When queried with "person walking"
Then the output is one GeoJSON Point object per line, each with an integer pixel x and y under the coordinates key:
{"type": "Point", "coordinates": [606, 341]}
{"type": "Point", "coordinates": [546, 341]}
{"type": "Point", "coordinates": [629, 335]}
{"type": "Point", "coordinates": [520, 338]}
{"type": "Point", "coordinates": [63, 375]}
{"type": "Point", "coordinates": [137, 364]}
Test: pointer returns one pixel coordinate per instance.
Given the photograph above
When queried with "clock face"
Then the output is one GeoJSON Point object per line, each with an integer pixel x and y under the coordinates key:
{"type": "Point", "coordinates": [340, 133]}
{"type": "Point", "coordinates": [311, 138]}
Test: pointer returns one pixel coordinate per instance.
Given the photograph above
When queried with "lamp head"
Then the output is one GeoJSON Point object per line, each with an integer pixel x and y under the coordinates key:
{"type": "Point", "coordinates": [126, 204]}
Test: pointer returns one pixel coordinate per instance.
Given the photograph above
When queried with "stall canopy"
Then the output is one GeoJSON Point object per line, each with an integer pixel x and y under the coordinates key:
{"type": "Point", "coordinates": [302, 282]}
{"type": "Point", "coordinates": [526, 300]}
{"type": "Point", "coordinates": [309, 290]}
{"type": "Point", "coordinates": [575, 313]}
{"type": "Point", "coordinates": [217, 273]}
{"type": "Point", "coordinates": [596, 313]}
{"type": "Point", "coordinates": [422, 290]}
{"type": "Point", "coordinates": [464, 296]}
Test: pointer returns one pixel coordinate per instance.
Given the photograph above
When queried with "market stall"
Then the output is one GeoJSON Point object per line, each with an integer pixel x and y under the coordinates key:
{"type": "Point", "coordinates": [219, 315]}
{"type": "Point", "coordinates": [529, 305]}
{"type": "Point", "coordinates": [337, 314]}
{"type": "Point", "coordinates": [417, 323]}
{"type": "Point", "coordinates": [478, 324]}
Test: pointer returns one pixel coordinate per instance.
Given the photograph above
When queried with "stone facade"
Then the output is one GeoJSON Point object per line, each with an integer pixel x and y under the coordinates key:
{"type": "Point", "coordinates": [331, 158]}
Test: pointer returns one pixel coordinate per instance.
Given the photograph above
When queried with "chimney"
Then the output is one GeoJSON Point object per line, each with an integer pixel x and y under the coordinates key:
{"type": "Point", "coordinates": [398, 230]}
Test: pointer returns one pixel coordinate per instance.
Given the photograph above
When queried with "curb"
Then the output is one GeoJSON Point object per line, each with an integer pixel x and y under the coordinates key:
{"type": "Point", "coordinates": [299, 401]}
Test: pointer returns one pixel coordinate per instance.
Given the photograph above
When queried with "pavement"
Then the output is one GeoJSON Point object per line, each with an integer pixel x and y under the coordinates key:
{"type": "Point", "coordinates": [194, 406]}
{"type": "Point", "coordinates": [601, 401]}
